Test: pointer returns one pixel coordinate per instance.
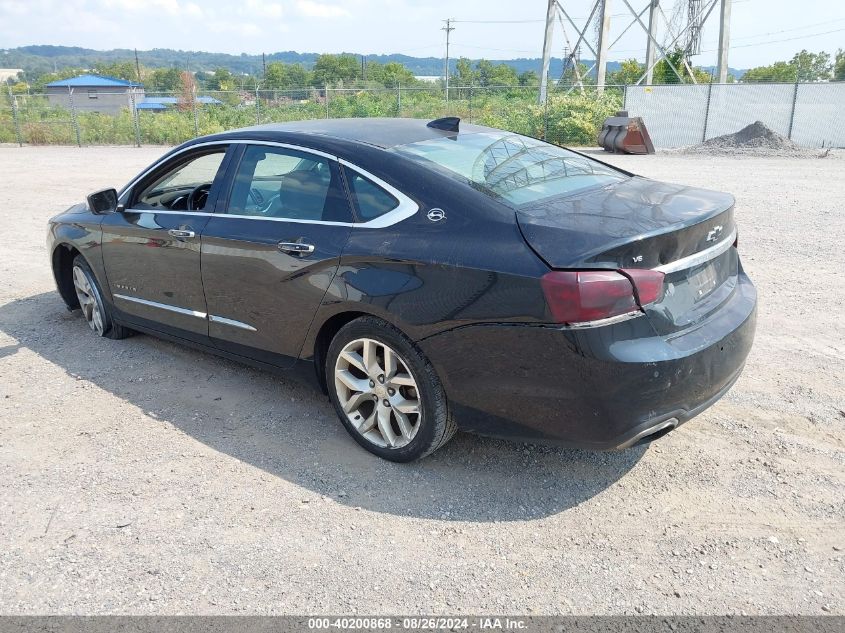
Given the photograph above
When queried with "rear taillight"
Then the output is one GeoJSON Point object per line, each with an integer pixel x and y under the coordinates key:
{"type": "Point", "coordinates": [647, 283]}
{"type": "Point", "coordinates": [578, 296]}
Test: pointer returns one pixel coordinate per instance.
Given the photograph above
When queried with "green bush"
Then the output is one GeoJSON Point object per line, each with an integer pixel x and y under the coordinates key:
{"type": "Point", "coordinates": [572, 119]}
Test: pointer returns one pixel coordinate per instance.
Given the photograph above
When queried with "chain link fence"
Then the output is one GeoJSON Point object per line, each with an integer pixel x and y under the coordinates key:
{"type": "Point", "coordinates": [680, 115]}
{"type": "Point", "coordinates": [157, 118]}
{"type": "Point", "coordinates": [676, 115]}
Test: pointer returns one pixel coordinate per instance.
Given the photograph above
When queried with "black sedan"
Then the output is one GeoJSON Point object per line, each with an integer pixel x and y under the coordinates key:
{"type": "Point", "coordinates": [429, 276]}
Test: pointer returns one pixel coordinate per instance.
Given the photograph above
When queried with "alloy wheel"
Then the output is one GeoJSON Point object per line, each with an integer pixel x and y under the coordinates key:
{"type": "Point", "coordinates": [88, 300]}
{"type": "Point", "coordinates": [378, 393]}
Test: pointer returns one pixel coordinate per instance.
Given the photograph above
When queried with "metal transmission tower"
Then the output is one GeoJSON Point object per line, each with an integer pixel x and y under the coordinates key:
{"type": "Point", "coordinates": [688, 37]}
{"type": "Point", "coordinates": [448, 28]}
{"type": "Point", "coordinates": [693, 46]}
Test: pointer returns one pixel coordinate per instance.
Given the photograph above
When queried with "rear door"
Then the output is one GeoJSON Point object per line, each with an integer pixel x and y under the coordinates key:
{"type": "Point", "coordinates": [272, 248]}
{"type": "Point", "coordinates": [151, 249]}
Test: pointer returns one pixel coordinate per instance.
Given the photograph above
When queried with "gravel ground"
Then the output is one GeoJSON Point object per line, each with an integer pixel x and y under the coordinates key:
{"type": "Point", "coordinates": [142, 477]}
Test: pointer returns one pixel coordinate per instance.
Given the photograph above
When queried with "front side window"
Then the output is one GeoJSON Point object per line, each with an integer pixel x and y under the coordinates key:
{"type": "Point", "coordinates": [276, 182]}
{"type": "Point", "coordinates": [513, 168]}
{"type": "Point", "coordinates": [185, 187]}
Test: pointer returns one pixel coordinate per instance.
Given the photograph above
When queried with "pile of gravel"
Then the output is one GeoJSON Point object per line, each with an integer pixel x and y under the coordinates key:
{"type": "Point", "coordinates": [757, 139]}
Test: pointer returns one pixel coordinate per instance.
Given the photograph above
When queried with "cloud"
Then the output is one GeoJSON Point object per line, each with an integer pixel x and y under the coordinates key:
{"type": "Point", "coordinates": [169, 7]}
{"type": "Point", "coordinates": [12, 7]}
{"type": "Point", "coordinates": [264, 9]}
{"type": "Point", "coordinates": [245, 29]}
{"type": "Point", "coordinates": [312, 9]}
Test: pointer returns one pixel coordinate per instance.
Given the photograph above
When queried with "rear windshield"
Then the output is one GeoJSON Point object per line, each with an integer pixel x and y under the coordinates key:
{"type": "Point", "coordinates": [514, 168]}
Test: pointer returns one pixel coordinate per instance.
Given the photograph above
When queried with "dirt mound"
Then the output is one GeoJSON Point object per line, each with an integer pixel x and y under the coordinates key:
{"type": "Point", "coordinates": [758, 134]}
{"type": "Point", "coordinates": [755, 139]}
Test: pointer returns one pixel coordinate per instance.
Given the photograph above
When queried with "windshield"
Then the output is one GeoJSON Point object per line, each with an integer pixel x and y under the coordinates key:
{"type": "Point", "coordinates": [516, 168]}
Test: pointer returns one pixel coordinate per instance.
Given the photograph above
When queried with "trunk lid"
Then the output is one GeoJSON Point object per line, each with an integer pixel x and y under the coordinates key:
{"type": "Point", "coordinates": [611, 226]}
{"type": "Point", "coordinates": [639, 223]}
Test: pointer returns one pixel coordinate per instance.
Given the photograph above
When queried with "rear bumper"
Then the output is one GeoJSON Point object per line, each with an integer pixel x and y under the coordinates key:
{"type": "Point", "coordinates": [603, 388]}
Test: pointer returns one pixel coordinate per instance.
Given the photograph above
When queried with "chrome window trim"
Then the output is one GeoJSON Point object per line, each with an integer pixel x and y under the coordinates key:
{"type": "Point", "coordinates": [224, 321]}
{"type": "Point", "coordinates": [156, 165]}
{"type": "Point", "coordinates": [403, 211]}
{"type": "Point", "coordinates": [698, 258]}
{"type": "Point", "coordinates": [162, 306]}
{"type": "Point", "coordinates": [240, 217]}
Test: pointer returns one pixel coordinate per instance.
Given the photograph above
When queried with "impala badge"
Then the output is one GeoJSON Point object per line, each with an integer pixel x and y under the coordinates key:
{"type": "Point", "coordinates": [436, 214]}
{"type": "Point", "coordinates": [714, 233]}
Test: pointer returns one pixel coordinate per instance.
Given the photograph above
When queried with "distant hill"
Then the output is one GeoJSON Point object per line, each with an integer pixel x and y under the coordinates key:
{"type": "Point", "coordinates": [39, 59]}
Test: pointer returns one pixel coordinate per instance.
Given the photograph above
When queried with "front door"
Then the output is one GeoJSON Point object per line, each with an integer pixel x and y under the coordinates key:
{"type": "Point", "coordinates": [271, 250]}
{"type": "Point", "coordinates": [151, 249]}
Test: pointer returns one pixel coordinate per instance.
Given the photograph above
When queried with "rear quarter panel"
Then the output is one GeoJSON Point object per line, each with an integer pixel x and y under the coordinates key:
{"type": "Point", "coordinates": [428, 276]}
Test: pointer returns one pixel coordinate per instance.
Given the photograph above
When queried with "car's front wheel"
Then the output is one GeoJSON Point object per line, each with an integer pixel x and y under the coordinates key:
{"type": "Point", "coordinates": [91, 303]}
{"type": "Point", "coordinates": [386, 392]}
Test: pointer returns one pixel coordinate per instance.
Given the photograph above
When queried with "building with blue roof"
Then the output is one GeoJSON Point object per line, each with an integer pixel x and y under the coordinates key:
{"type": "Point", "coordinates": [160, 104]}
{"type": "Point", "coordinates": [95, 93]}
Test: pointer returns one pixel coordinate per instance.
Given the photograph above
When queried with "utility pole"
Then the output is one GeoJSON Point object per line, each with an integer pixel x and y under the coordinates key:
{"type": "Point", "coordinates": [551, 10]}
{"type": "Point", "coordinates": [604, 36]}
{"type": "Point", "coordinates": [363, 68]}
{"type": "Point", "coordinates": [724, 40]}
{"type": "Point", "coordinates": [137, 66]}
{"type": "Point", "coordinates": [264, 66]}
{"type": "Point", "coordinates": [566, 60]}
{"type": "Point", "coordinates": [652, 37]}
{"type": "Point", "coordinates": [448, 28]}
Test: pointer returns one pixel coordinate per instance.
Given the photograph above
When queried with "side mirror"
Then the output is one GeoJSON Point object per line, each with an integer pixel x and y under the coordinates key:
{"type": "Point", "coordinates": [103, 201]}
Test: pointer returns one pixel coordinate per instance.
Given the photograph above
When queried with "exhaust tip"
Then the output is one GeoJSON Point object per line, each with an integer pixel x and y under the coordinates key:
{"type": "Point", "coordinates": [657, 431]}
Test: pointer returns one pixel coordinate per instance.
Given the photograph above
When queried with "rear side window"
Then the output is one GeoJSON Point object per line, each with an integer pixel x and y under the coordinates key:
{"type": "Point", "coordinates": [274, 182]}
{"type": "Point", "coordinates": [371, 201]}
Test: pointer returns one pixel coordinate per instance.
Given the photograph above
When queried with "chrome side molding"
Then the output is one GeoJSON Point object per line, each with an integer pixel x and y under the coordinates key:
{"type": "Point", "coordinates": [194, 313]}
{"type": "Point", "coordinates": [224, 321]}
{"type": "Point", "coordinates": [162, 306]}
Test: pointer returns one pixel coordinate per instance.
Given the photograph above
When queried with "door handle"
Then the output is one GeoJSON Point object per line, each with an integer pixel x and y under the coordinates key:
{"type": "Point", "coordinates": [180, 233]}
{"type": "Point", "coordinates": [297, 248]}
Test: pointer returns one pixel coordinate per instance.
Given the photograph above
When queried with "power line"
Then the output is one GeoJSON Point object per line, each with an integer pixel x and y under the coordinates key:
{"type": "Point", "coordinates": [500, 50]}
{"type": "Point", "coordinates": [709, 50]}
{"type": "Point", "coordinates": [786, 39]}
{"type": "Point", "coordinates": [614, 15]}
{"type": "Point", "coordinates": [797, 28]}
{"type": "Point", "coordinates": [752, 44]}
{"type": "Point", "coordinates": [497, 21]}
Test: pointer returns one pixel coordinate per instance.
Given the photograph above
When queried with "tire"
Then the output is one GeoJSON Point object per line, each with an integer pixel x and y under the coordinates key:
{"type": "Point", "coordinates": [385, 391]}
{"type": "Point", "coordinates": [94, 309]}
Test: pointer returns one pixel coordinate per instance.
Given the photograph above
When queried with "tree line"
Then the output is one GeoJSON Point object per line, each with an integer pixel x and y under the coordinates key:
{"type": "Point", "coordinates": [348, 71]}
{"type": "Point", "coordinates": [804, 66]}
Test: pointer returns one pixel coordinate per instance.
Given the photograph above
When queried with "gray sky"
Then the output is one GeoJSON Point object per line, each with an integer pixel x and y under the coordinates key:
{"type": "Point", "coordinates": [762, 30]}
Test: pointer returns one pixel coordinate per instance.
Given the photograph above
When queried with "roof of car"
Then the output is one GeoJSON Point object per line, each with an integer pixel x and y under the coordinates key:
{"type": "Point", "coordinates": [381, 132]}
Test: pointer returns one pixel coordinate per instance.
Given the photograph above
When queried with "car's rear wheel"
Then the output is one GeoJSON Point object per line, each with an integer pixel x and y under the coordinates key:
{"type": "Point", "coordinates": [386, 392]}
{"type": "Point", "coordinates": [95, 311]}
